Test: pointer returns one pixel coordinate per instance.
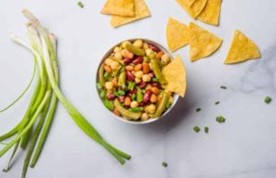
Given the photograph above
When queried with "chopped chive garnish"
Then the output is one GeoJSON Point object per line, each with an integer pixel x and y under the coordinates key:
{"type": "Point", "coordinates": [196, 129]}
{"type": "Point", "coordinates": [121, 92]}
{"type": "Point", "coordinates": [198, 109]}
{"type": "Point", "coordinates": [155, 79]}
{"type": "Point", "coordinates": [131, 85]}
{"type": "Point", "coordinates": [80, 4]}
{"type": "Point", "coordinates": [138, 109]}
{"type": "Point", "coordinates": [103, 94]}
{"type": "Point", "coordinates": [216, 103]}
{"type": "Point", "coordinates": [99, 86]}
{"type": "Point", "coordinates": [133, 96]}
{"type": "Point", "coordinates": [164, 164]}
{"type": "Point", "coordinates": [220, 119]}
{"type": "Point", "coordinates": [267, 99]}
{"type": "Point", "coordinates": [223, 87]}
{"type": "Point", "coordinates": [206, 129]}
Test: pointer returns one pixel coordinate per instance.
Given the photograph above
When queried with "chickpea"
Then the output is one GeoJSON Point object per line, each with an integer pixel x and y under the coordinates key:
{"type": "Point", "coordinates": [148, 86]}
{"type": "Point", "coordinates": [155, 90]}
{"type": "Point", "coordinates": [165, 59]}
{"type": "Point", "coordinates": [134, 104]}
{"type": "Point", "coordinates": [107, 68]}
{"type": "Point", "coordinates": [150, 109]}
{"type": "Point", "coordinates": [118, 55]}
{"type": "Point", "coordinates": [138, 74]}
{"type": "Point", "coordinates": [129, 67]}
{"type": "Point", "coordinates": [145, 45]}
{"type": "Point", "coordinates": [146, 78]}
{"type": "Point", "coordinates": [138, 67]}
{"type": "Point", "coordinates": [114, 65]}
{"type": "Point", "coordinates": [127, 101]}
{"type": "Point", "coordinates": [144, 117]}
{"type": "Point", "coordinates": [137, 80]}
{"type": "Point", "coordinates": [116, 112]}
{"type": "Point", "coordinates": [108, 61]}
{"type": "Point", "coordinates": [148, 51]}
{"type": "Point", "coordinates": [108, 85]}
{"type": "Point", "coordinates": [125, 53]}
{"type": "Point", "coordinates": [153, 98]}
{"type": "Point", "coordinates": [117, 49]}
{"type": "Point", "coordinates": [124, 44]}
{"type": "Point", "coordinates": [138, 43]}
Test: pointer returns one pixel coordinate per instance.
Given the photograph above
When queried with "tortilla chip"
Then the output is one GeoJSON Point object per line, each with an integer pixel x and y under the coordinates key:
{"type": "Point", "coordinates": [202, 42]}
{"type": "Point", "coordinates": [119, 7]}
{"type": "Point", "coordinates": [177, 34]}
{"type": "Point", "coordinates": [175, 74]}
{"type": "Point", "coordinates": [242, 49]}
{"type": "Point", "coordinates": [195, 8]}
{"type": "Point", "coordinates": [141, 11]}
{"type": "Point", "coordinates": [211, 12]}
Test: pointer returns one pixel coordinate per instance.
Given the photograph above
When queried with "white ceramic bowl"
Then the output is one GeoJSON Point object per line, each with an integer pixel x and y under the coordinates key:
{"type": "Point", "coordinates": [175, 96]}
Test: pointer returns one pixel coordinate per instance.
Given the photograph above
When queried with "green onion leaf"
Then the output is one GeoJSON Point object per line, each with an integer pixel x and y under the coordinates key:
{"type": "Point", "coordinates": [196, 129]}
{"type": "Point", "coordinates": [164, 164]}
{"type": "Point", "coordinates": [80, 4]}
{"type": "Point", "coordinates": [220, 119]}
{"type": "Point", "coordinates": [206, 129]}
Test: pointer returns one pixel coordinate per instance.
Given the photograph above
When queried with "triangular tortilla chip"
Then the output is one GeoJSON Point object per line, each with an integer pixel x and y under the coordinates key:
{"type": "Point", "coordinates": [124, 8]}
{"type": "Point", "coordinates": [177, 34]}
{"type": "Point", "coordinates": [141, 11]}
{"type": "Point", "coordinates": [195, 8]}
{"type": "Point", "coordinates": [202, 42]}
{"type": "Point", "coordinates": [211, 12]}
{"type": "Point", "coordinates": [175, 74]}
{"type": "Point", "coordinates": [242, 49]}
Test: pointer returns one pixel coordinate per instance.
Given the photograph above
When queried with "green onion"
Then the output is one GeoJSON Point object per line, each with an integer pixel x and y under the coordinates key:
{"type": "Point", "coordinates": [206, 129]}
{"type": "Point", "coordinates": [133, 96]}
{"type": "Point", "coordinates": [41, 109]}
{"type": "Point", "coordinates": [164, 164]}
{"type": "Point", "coordinates": [139, 95]}
{"type": "Point", "coordinates": [99, 86]}
{"type": "Point", "coordinates": [131, 85]}
{"type": "Point", "coordinates": [103, 94]}
{"type": "Point", "coordinates": [80, 4]}
{"type": "Point", "coordinates": [108, 104]}
{"type": "Point", "coordinates": [217, 103]}
{"type": "Point", "coordinates": [223, 87]}
{"type": "Point", "coordinates": [267, 99]}
{"type": "Point", "coordinates": [220, 119]}
{"type": "Point", "coordinates": [196, 129]}
{"type": "Point", "coordinates": [121, 92]}
{"type": "Point", "coordinates": [137, 109]}
{"type": "Point", "coordinates": [155, 79]}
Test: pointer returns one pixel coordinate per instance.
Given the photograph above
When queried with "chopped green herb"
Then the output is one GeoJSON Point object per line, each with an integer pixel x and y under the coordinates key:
{"type": "Point", "coordinates": [80, 4]}
{"type": "Point", "coordinates": [198, 109]}
{"type": "Point", "coordinates": [121, 92]}
{"type": "Point", "coordinates": [107, 76]}
{"type": "Point", "coordinates": [267, 99]}
{"type": "Point", "coordinates": [109, 104]}
{"type": "Point", "coordinates": [216, 103]}
{"type": "Point", "coordinates": [139, 95]}
{"type": "Point", "coordinates": [164, 164]}
{"type": "Point", "coordinates": [99, 86]}
{"type": "Point", "coordinates": [196, 129]}
{"type": "Point", "coordinates": [133, 96]}
{"type": "Point", "coordinates": [206, 129]}
{"type": "Point", "coordinates": [138, 109]}
{"type": "Point", "coordinates": [223, 87]}
{"type": "Point", "coordinates": [103, 94]}
{"type": "Point", "coordinates": [131, 85]}
{"type": "Point", "coordinates": [155, 79]}
{"type": "Point", "coordinates": [220, 119]}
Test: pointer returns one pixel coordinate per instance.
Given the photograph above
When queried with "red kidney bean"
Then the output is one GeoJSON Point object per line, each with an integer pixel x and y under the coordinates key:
{"type": "Point", "coordinates": [138, 60]}
{"type": "Point", "coordinates": [155, 84]}
{"type": "Point", "coordinates": [127, 61]}
{"type": "Point", "coordinates": [147, 96]}
{"type": "Point", "coordinates": [111, 96]}
{"type": "Point", "coordinates": [130, 76]}
{"type": "Point", "coordinates": [142, 84]}
{"type": "Point", "coordinates": [121, 99]}
{"type": "Point", "coordinates": [154, 47]}
{"type": "Point", "coordinates": [142, 104]}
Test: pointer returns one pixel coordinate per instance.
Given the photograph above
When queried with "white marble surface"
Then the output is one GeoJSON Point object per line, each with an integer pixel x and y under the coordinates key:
{"type": "Point", "coordinates": [243, 147]}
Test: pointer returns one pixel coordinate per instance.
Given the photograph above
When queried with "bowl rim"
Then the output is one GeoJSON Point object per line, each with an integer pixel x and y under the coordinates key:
{"type": "Point", "coordinates": [151, 120]}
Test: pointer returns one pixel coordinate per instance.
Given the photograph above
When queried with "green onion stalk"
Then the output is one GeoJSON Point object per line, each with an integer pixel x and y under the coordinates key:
{"type": "Point", "coordinates": [32, 131]}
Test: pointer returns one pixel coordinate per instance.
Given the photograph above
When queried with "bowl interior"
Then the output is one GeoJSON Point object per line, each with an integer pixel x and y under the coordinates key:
{"type": "Point", "coordinates": [175, 96]}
